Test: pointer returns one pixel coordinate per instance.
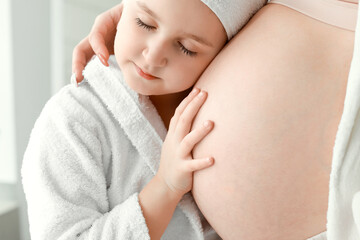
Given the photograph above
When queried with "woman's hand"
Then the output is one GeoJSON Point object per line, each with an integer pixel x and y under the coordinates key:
{"type": "Point", "coordinates": [176, 164]}
{"type": "Point", "coordinates": [100, 41]}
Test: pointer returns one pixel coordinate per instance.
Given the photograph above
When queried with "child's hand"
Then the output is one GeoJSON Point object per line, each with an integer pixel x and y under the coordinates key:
{"type": "Point", "coordinates": [176, 164]}
{"type": "Point", "coordinates": [100, 41]}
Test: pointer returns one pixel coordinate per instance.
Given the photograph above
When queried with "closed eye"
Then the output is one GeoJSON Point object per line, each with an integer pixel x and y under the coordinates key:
{"type": "Point", "coordinates": [186, 51]}
{"type": "Point", "coordinates": [143, 25]}
{"type": "Point", "coordinates": [140, 23]}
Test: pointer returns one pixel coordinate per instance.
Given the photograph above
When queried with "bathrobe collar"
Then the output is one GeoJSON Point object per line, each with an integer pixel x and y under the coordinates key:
{"type": "Point", "coordinates": [135, 113]}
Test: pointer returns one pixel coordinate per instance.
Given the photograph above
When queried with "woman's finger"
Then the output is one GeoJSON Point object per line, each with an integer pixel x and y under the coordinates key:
{"type": "Point", "coordinates": [100, 41]}
{"type": "Point", "coordinates": [103, 32]}
{"type": "Point", "coordinates": [180, 109]}
{"type": "Point", "coordinates": [194, 137]}
{"type": "Point", "coordinates": [81, 55]}
{"type": "Point", "coordinates": [198, 164]}
{"type": "Point", "coordinates": [185, 120]}
{"type": "Point", "coordinates": [98, 45]}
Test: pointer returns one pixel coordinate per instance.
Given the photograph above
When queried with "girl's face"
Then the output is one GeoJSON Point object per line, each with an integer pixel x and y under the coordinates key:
{"type": "Point", "coordinates": [163, 46]}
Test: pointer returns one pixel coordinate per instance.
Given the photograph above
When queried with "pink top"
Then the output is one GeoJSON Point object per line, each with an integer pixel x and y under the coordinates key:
{"type": "Point", "coordinates": [334, 12]}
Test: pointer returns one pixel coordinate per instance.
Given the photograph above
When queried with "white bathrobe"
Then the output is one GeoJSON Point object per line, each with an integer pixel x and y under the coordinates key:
{"type": "Point", "coordinates": [91, 152]}
{"type": "Point", "coordinates": [344, 197]}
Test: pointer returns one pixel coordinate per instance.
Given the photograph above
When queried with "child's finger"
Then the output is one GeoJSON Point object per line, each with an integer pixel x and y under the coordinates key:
{"type": "Point", "coordinates": [185, 120]}
{"type": "Point", "coordinates": [180, 109]}
{"type": "Point", "coordinates": [194, 137]}
{"type": "Point", "coordinates": [198, 164]}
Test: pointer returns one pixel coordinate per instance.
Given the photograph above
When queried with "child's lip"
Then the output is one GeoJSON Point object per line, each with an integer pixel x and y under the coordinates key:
{"type": "Point", "coordinates": [144, 74]}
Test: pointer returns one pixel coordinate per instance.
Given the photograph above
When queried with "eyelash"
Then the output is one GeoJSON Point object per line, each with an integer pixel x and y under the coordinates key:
{"type": "Point", "coordinates": [143, 25]}
{"type": "Point", "coordinates": [186, 51]}
{"type": "Point", "coordinates": [147, 27]}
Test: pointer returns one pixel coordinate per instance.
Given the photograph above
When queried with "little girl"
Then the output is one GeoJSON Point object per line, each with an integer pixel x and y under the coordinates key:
{"type": "Point", "coordinates": [98, 164]}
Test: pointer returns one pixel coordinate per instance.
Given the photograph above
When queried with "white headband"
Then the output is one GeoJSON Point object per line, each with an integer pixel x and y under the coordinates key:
{"type": "Point", "coordinates": [234, 14]}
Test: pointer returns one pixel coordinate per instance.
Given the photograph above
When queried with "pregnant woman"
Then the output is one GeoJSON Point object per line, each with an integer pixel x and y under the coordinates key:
{"type": "Point", "coordinates": [276, 94]}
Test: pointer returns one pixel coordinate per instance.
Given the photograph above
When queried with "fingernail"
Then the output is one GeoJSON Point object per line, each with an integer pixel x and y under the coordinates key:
{"type": "Point", "coordinates": [102, 59]}
{"type": "Point", "coordinates": [73, 80]}
{"type": "Point", "coordinates": [201, 94]}
{"type": "Point", "coordinates": [195, 90]}
{"type": "Point", "coordinates": [210, 160]}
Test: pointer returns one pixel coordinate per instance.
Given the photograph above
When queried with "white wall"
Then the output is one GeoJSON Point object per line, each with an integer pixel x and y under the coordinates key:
{"type": "Point", "coordinates": [7, 121]}
{"type": "Point", "coordinates": [31, 77]}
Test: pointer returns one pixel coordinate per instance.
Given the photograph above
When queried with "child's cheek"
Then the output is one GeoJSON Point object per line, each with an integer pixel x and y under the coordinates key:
{"type": "Point", "coordinates": [130, 38]}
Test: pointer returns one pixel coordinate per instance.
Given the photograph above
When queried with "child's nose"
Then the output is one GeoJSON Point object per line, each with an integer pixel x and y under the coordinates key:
{"type": "Point", "coordinates": [155, 54]}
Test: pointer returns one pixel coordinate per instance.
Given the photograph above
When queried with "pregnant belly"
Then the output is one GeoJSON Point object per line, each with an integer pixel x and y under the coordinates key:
{"type": "Point", "coordinates": [276, 110]}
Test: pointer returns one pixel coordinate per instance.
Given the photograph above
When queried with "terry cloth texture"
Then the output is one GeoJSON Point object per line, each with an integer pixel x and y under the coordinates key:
{"type": "Point", "coordinates": [91, 152]}
{"type": "Point", "coordinates": [234, 14]}
{"type": "Point", "coordinates": [344, 197]}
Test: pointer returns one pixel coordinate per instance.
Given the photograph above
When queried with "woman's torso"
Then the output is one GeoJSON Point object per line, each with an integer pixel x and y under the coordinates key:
{"type": "Point", "coordinates": [276, 95]}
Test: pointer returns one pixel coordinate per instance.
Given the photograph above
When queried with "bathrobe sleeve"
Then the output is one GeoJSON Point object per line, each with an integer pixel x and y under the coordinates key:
{"type": "Point", "coordinates": [64, 177]}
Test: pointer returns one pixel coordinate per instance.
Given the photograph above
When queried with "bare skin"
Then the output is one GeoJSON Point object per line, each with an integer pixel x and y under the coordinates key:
{"type": "Point", "coordinates": [276, 93]}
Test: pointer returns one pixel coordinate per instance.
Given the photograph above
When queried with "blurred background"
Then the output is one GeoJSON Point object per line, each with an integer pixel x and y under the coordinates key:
{"type": "Point", "coordinates": [36, 42]}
